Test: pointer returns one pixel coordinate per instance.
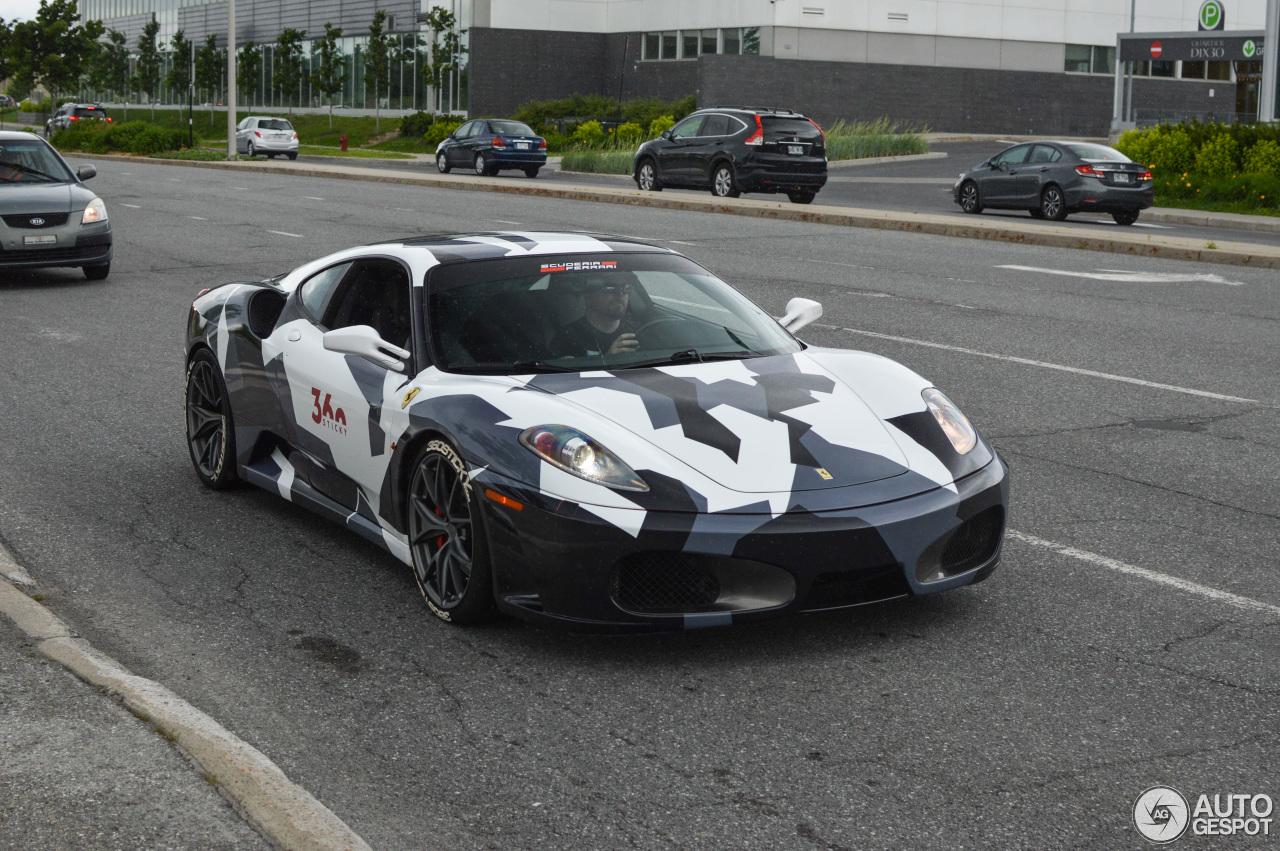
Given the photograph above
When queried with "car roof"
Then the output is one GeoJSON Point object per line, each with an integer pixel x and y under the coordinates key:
{"type": "Point", "coordinates": [17, 136]}
{"type": "Point", "coordinates": [492, 245]}
{"type": "Point", "coordinates": [755, 110]}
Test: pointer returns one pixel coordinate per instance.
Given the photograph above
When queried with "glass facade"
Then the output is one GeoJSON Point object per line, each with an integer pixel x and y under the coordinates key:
{"type": "Point", "coordinates": [409, 84]}
{"type": "Point", "coordinates": [690, 44]}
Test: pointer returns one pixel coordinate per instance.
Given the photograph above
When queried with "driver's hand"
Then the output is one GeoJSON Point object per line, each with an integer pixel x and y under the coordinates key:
{"type": "Point", "coordinates": [625, 344]}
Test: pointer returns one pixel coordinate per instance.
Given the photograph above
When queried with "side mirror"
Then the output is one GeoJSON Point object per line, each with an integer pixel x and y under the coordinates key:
{"type": "Point", "coordinates": [85, 172]}
{"type": "Point", "coordinates": [800, 312]}
{"type": "Point", "coordinates": [363, 341]}
{"type": "Point", "coordinates": [666, 134]}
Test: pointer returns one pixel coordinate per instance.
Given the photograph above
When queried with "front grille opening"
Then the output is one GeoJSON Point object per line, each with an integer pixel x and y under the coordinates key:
{"type": "Point", "coordinates": [661, 582]}
{"type": "Point", "coordinates": [975, 542]}
{"type": "Point", "coordinates": [857, 587]}
{"type": "Point", "coordinates": [23, 220]}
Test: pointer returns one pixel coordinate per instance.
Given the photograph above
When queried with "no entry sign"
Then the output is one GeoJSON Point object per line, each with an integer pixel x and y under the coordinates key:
{"type": "Point", "coordinates": [1156, 49]}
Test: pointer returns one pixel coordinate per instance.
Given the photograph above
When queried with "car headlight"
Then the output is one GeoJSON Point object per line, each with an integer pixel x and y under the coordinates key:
{"type": "Point", "coordinates": [574, 452]}
{"type": "Point", "coordinates": [95, 212]}
{"type": "Point", "coordinates": [955, 425]}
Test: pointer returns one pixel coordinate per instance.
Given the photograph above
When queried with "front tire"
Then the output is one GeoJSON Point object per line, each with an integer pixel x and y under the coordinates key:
{"type": "Point", "coordinates": [211, 436]}
{"type": "Point", "coordinates": [722, 183]}
{"type": "Point", "coordinates": [446, 537]}
{"type": "Point", "coordinates": [647, 176]}
{"type": "Point", "coordinates": [251, 150]}
{"type": "Point", "coordinates": [97, 273]}
{"type": "Point", "coordinates": [1052, 204]}
{"type": "Point", "coordinates": [802, 197]}
{"type": "Point", "coordinates": [1125, 217]}
{"type": "Point", "coordinates": [442, 163]}
{"type": "Point", "coordinates": [970, 202]}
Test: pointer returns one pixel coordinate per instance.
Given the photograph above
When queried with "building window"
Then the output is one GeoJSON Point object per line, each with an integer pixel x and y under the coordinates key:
{"type": "Point", "coordinates": [1162, 69]}
{"type": "Point", "coordinates": [1104, 60]}
{"type": "Point", "coordinates": [670, 44]}
{"type": "Point", "coordinates": [732, 41]}
{"type": "Point", "coordinates": [652, 49]}
{"type": "Point", "coordinates": [689, 44]}
{"type": "Point", "coordinates": [1078, 58]}
{"type": "Point", "coordinates": [751, 41]}
{"type": "Point", "coordinates": [710, 41]}
{"type": "Point", "coordinates": [1219, 71]}
{"type": "Point", "coordinates": [1193, 70]}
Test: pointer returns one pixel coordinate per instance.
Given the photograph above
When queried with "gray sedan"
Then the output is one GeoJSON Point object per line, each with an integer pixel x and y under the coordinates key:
{"type": "Point", "coordinates": [1054, 179]}
{"type": "Point", "coordinates": [48, 217]}
{"type": "Point", "coordinates": [261, 135]}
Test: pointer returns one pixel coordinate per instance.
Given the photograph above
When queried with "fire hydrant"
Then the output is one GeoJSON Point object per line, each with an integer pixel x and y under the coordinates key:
{"type": "Point", "coordinates": [343, 141]}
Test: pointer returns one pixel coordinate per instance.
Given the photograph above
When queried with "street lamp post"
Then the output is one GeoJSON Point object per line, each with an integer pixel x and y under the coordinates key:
{"type": "Point", "coordinates": [1270, 57]}
{"type": "Point", "coordinates": [231, 79]}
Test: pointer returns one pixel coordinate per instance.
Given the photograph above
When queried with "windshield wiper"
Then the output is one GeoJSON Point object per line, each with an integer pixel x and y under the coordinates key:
{"type": "Point", "coordinates": [26, 170]}
{"type": "Point", "coordinates": [688, 355]}
{"type": "Point", "coordinates": [517, 367]}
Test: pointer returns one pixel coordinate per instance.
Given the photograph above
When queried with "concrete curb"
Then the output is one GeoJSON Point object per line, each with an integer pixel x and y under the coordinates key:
{"type": "Point", "coordinates": [1206, 219]}
{"type": "Point", "coordinates": [285, 813]}
{"type": "Point", "coordinates": [1176, 248]}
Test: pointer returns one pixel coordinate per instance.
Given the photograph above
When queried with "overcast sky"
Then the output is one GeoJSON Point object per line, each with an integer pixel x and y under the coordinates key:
{"type": "Point", "coordinates": [25, 9]}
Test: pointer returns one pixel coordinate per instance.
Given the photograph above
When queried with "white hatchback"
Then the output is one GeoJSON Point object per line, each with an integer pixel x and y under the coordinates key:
{"type": "Point", "coordinates": [261, 135]}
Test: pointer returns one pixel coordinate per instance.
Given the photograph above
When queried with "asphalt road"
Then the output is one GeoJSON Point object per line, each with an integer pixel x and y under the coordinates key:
{"type": "Point", "coordinates": [920, 186]}
{"type": "Point", "coordinates": [1027, 712]}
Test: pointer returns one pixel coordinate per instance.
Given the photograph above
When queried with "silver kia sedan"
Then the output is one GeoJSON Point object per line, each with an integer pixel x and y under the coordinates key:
{"type": "Point", "coordinates": [262, 135]}
{"type": "Point", "coordinates": [48, 217]}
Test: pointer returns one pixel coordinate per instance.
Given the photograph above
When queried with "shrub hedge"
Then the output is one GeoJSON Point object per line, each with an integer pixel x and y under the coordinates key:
{"type": "Point", "coordinates": [134, 137]}
{"type": "Point", "coordinates": [540, 114]}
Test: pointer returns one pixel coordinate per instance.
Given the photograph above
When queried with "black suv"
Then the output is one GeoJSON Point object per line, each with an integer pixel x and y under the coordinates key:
{"type": "Point", "coordinates": [69, 112]}
{"type": "Point", "coordinates": [736, 149]}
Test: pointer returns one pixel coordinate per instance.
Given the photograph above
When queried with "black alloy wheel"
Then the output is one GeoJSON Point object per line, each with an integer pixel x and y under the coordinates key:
{"type": "Point", "coordinates": [446, 538]}
{"type": "Point", "coordinates": [647, 176]}
{"type": "Point", "coordinates": [442, 163]}
{"type": "Point", "coordinates": [802, 196]}
{"type": "Point", "coordinates": [97, 273]}
{"type": "Point", "coordinates": [251, 150]}
{"type": "Point", "coordinates": [722, 182]}
{"type": "Point", "coordinates": [1125, 217]}
{"type": "Point", "coordinates": [969, 201]}
{"type": "Point", "coordinates": [1052, 204]}
{"type": "Point", "coordinates": [210, 428]}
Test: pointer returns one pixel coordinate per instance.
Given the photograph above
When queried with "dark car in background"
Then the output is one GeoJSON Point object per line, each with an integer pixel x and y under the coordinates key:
{"type": "Point", "coordinates": [490, 145]}
{"type": "Point", "coordinates": [6, 102]}
{"type": "Point", "coordinates": [732, 150]}
{"type": "Point", "coordinates": [1054, 179]}
{"type": "Point", "coordinates": [70, 113]}
{"type": "Point", "coordinates": [48, 217]}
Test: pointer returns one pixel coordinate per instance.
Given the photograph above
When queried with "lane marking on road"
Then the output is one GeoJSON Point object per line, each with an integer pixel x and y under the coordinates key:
{"type": "Point", "coordinates": [241, 188]}
{"type": "Point", "coordinates": [1128, 277]}
{"type": "Point", "coordinates": [678, 242]}
{"type": "Point", "coordinates": [174, 180]}
{"type": "Point", "coordinates": [312, 198]}
{"type": "Point", "coordinates": [198, 218]}
{"type": "Point", "coordinates": [1156, 576]}
{"type": "Point", "coordinates": [505, 222]}
{"type": "Point", "coordinates": [286, 233]}
{"type": "Point", "coordinates": [1222, 397]}
{"type": "Point", "coordinates": [134, 206]}
{"type": "Point", "coordinates": [127, 172]}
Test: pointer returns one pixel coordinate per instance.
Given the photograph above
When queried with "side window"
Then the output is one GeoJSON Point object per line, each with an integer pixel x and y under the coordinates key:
{"type": "Point", "coordinates": [479, 128]}
{"type": "Point", "coordinates": [691, 126]}
{"type": "Point", "coordinates": [1014, 156]}
{"type": "Point", "coordinates": [374, 293]}
{"type": "Point", "coordinates": [716, 125]}
{"type": "Point", "coordinates": [465, 130]}
{"type": "Point", "coordinates": [315, 291]}
{"type": "Point", "coordinates": [1044, 154]}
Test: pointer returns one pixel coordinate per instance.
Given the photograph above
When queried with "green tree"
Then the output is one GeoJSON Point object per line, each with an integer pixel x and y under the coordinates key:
{"type": "Point", "coordinates": [111, 68]}
{"type": "Point", "coordinates": [444, 50]}
{"type": "Point", "coordinates": [53, 49]}
{"type": "Point", "coordinates": [288, 64]}
{"type": "Point", "coordinates": [249, 68]}
{"type": "Point", "coordinates": [210, 72]}
{"type": "Point", "coordinates": [179, 77]}
{"type": "Point", "coordinates": [146, 74]}
{"type": "Point", "coordinates": [331, 73]}
{"type": "Point", "coordinates": [377, 62]}
{"type": "Point", "coordinates": [6, 48]}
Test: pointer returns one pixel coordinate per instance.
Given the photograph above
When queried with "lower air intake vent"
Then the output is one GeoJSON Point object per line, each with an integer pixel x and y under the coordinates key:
{"type": "Point", "coordinates": [975, 542]}
{"type": "Point", "coordinates": [857, 587]}
{"type": "Point", "coordinates": [663, 582]}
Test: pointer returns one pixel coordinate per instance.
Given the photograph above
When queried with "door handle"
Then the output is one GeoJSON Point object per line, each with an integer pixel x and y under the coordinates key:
{"type": "Point", "coordinates": [1044, 168]}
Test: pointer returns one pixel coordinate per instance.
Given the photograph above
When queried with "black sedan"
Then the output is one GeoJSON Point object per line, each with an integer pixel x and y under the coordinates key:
{"type": "Point", "coordinates": [1054, 179]}
{"type": "Point", "coordinates": [490, 145]}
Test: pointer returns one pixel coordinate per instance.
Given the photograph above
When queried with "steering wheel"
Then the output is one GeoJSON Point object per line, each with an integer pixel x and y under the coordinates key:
{"type": "Point", "coordinates": [661, 320]}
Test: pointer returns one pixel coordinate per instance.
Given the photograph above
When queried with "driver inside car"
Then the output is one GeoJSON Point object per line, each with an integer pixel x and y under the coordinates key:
{"type": "Point", "coordinates": [606, 327]}
{"type": "Point", "coordinates": [8, 160]}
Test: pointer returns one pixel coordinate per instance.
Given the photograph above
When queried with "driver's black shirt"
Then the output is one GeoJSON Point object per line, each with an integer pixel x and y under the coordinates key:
{"type": "Point", "coordinates": [581, 338]}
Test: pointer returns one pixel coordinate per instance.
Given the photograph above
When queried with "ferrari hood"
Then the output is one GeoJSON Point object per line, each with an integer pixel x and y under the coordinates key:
{"type": "Point", "coordinates": [764, 425]}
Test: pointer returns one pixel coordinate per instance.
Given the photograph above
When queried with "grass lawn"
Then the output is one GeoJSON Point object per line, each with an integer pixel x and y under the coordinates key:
{"type": "Point", "coordinates": [355, 153]}
{"type": "Point", "coordinates": [1239, 207]}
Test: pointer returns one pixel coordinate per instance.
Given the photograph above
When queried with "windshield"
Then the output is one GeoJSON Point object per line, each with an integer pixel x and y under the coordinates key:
{"type": "Point", "coordinates": [90, 112]}
{"type": "Point", "coordinates": [32, 161]}
{"type": "Point", "coordinates": [1097, 153]}
{"type": "Point", "coordinates": [274, 124]}
{"type": "Point", "coordinates": [511, 128]}
{"type": "Point", "coordinates": [583, 312]}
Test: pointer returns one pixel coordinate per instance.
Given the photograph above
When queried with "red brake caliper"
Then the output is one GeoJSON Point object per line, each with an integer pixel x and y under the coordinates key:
{"type": "Point", "coordinates": [439, 538]}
